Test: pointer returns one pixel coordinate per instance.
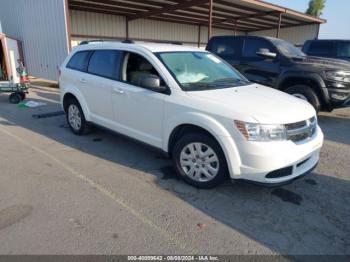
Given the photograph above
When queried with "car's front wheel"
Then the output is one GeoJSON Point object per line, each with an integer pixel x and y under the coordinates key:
{"type": "Point", "coordinates": [75, 117]}
{"type": "Point", "coordinates": [305, 93]}
{"type": "Point", "coordinates": [199, 160]}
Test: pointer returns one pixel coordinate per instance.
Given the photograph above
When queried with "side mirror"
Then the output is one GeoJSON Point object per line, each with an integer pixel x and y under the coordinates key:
{"type": "Point", "coordinates": [152, 82]}
{"type": "Point", "coordinates": [265, 53]}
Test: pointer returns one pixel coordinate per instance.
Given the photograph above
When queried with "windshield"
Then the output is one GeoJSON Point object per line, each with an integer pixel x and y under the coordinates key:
{"type": "Point", "coordinates": [201, 70]}
{"type": "Point", "coordinates": [287, 48]}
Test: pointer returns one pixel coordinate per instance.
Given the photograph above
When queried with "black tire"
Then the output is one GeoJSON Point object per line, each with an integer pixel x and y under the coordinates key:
{"type": "Point", "coordinates": [207, 140]}
{"type": "Point", "coordinates": [15, 98]}
{"type": "Point", "coordinates": [307, 92]}
{"type": "Point", "coordinates": [81, 129]}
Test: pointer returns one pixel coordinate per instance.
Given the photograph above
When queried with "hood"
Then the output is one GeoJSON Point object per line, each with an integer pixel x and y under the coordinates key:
{"type": "Point", "coordinates": [265, 105]}
{"type": "Point", "coordinates": [322, 63]}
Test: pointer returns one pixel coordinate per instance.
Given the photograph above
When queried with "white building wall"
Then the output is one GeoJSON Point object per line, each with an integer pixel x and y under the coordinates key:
{"type": "Point", "coordinates": [296, 35]}
{"type": "Point", "coordinates": [87, 26]}
{"type": "Point", "coordinates": [41, 26]}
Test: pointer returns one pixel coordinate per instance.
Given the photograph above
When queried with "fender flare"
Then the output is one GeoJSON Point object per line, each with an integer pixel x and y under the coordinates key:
{"type": "Point", "coordinates": [307, 76]}
{"type": "Point", "coordinates": [213, 127]}
{"type": "Point", "coordinates": [79, 96]}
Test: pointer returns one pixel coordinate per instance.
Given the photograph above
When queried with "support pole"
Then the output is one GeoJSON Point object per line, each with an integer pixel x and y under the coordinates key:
{"type": "Point", "coordinates": [279, 26]}
{"type": "Point", "coordinates": [68, 25]}
{"type": "Point", "coordinates": [126, 28]}
{"type": "Point", "coordinates": [235, 28]}
{"type": "Point", "coordinates": [199, 35]}
{"type": "Point", "coordinates": [210, 21]}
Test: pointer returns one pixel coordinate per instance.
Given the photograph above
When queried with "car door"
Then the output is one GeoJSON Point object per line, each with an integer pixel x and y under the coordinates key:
{"type": "Point", "coordinates": [258, 69]}
{"type": "Point", "coordinates": [102, 72]}
{"type": "Point", "coordinates": [138, 111]}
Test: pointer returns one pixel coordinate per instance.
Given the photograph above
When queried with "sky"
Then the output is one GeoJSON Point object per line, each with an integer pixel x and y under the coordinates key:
{"type": "Point", "coordinates": [336, 12]}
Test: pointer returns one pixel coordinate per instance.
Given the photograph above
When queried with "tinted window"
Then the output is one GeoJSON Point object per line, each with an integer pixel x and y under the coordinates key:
{"type": "Point", "coordinates": [79, 61]}
{"type": "Point", "coordinates": [105, 63]}
{"type": "Point", "coordinates": [252, 46]}
{"type": "Point", "coordinates": [343, 49]}
{"type": "Point", "coordinates": [226, 47]}
{"type": "Point", "coordinates": [321, 48]}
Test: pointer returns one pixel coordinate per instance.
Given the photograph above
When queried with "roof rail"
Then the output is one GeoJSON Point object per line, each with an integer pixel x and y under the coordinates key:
{"type": "Point", "coordinates": [165, 42]}
{"type": "Point", "coordinates": [128, 41]}
{"type": "Point", "coordinates": [176, 43]}
{"type": "Point", "coordinates": [91, 41]}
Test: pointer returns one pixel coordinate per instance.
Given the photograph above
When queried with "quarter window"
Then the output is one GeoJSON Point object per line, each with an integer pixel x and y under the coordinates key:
{"type": "Point", "coordinates": [79, 61]}
{"type": "Point", "coordinates": [105, 63]}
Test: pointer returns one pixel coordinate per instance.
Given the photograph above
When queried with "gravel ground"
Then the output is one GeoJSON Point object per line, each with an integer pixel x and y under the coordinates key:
{"type": "Point", "coordinates": [105, 194]}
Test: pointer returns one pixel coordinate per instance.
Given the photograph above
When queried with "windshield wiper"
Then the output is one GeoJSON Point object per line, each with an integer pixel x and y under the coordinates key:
{"type": "Point", "coordinates": [219, 83]}
{"type": "Point", "coordinates": [230, 80]}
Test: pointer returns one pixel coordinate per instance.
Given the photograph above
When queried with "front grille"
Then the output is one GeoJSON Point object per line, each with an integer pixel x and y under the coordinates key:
{"type": "Point", "coordinates": [302, 130]}
{"type": "Point", "coordinates": [287, 171]}
{"type": "Point", "coordinates": [295, 125]}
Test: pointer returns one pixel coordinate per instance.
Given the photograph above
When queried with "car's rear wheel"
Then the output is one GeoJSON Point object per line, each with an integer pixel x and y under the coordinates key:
{"type": "Point", "coordinates": [75, 117]}
{"type": "Point", "coordinates": [306, 93]}
{"type": "Point", "coordinates": [199, 160]}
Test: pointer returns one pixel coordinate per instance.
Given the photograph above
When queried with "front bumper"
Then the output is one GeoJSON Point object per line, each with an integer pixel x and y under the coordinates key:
{"type": "Point", "coordinates": [278, 162]}
{"type": "Point", "coordinates": [339, 94]}
{"type": "Point", "coordinates": [279, 183]}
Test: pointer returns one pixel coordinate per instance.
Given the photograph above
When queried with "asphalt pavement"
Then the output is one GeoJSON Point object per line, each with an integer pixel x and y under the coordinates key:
{"type": "Point", "coordinates": [105, 194]}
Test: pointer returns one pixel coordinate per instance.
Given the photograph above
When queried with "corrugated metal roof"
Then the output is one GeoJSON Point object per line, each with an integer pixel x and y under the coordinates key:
{"type": "Point", "coordinates": [247, 15]}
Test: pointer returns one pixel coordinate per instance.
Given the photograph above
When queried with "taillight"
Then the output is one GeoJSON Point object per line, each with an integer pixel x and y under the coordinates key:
{"type": "Point", "coordinates": [24, 79]}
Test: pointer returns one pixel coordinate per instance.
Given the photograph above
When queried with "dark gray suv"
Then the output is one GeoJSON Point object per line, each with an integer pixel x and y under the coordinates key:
{"type": "Point", "coordinates": [339, 49]}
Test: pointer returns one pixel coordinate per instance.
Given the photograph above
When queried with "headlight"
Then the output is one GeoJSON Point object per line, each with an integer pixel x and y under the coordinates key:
{"type": "Point", "coordinates": [262, 133]}
{"type": "Point", "coordinates": [341, 76]}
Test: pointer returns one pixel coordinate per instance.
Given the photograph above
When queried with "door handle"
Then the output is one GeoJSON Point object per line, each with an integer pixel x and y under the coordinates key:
{"type": "Point", "coordinates": [83, 81]}
{"type": "Point", "coordinates": [119, 91]}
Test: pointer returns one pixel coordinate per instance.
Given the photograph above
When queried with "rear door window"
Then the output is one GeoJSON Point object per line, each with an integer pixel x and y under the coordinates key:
{"type": "Point", "coordinates": [321, 48]}
{"type": "Point", "coordinates": [105, 63]}
{"type": "Point", "coordinates": [252, 46]}
{"type": "Point", "coordinates": [227, 47]}
{"type": "Point", "coordinates": [79, 61]}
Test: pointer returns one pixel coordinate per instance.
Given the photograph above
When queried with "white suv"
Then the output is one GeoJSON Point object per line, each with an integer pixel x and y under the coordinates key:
{"type": "Point", "coordinates": [210, 119]}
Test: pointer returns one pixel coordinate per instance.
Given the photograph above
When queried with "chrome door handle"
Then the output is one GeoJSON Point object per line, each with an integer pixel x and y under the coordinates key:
{"type": "Point", "coordinates": [83, 81]}
{"type": "Point", "coordinates": [119, 91]}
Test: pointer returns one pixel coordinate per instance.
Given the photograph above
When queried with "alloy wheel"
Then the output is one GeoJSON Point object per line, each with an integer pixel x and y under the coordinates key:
{"type": "Point", "coordinates": [199, 162]}
{"type": "Point", "coordinates": [74, 117]}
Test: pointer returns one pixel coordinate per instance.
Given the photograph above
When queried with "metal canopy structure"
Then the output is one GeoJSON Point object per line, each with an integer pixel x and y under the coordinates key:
{"type": "Point", "coordinates": [237, 15]}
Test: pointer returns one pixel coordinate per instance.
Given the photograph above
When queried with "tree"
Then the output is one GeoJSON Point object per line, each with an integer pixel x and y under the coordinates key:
{"type": "Point", "coordinates": [316, 7]}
